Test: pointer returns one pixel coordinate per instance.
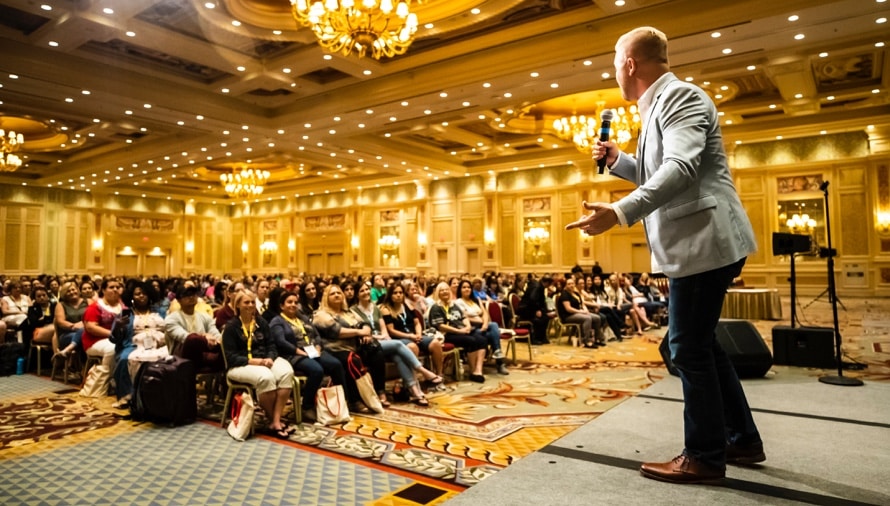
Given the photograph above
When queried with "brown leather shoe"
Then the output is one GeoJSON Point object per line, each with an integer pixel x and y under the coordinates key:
{"type": "Point", "coordinates": [683, 469]}
{"type": "Point", "coordinates": [745, 454]}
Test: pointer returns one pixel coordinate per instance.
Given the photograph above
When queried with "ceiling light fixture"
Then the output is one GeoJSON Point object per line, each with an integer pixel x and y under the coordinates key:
{"type": "Point", "coordinates": [360, 26]}
{"type": "Point", "coordinates": [10, 142]}
{"type": "Point", "coordinates": [582, 130]}
{"type": "Point", "coordinates": [245, 183]}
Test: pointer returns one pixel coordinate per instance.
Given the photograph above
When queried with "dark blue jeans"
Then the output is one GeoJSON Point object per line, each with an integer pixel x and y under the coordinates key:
{"type": "Point", "coordinates": [315, 371]}
{"type": "Point", "coordinates": [715, 408]}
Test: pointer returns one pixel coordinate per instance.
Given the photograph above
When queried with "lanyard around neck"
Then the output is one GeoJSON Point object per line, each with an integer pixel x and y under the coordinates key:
{"type": "Point", "coordinates": [248, 333]}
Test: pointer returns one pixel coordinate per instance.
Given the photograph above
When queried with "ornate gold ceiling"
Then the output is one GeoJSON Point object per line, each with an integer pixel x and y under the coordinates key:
{"type": "Point", "coordinates": [161, 95]}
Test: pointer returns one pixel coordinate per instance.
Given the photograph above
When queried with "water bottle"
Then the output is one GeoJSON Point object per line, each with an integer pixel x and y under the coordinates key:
{"type": "Point", "coordinates": [20, 366]}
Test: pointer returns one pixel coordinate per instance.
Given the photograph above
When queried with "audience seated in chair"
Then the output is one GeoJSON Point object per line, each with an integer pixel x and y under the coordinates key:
{"type": "Point", "coordinates": [192, 334]}
{"type": "Point", "coordinates": [571, 309]}
{"type": "Point", "coordinates": [298, 342]}
{"type": "Point", "coordinates": [69, 319]}
{"type": "Point", "coordinates": [252, 358]}
{"type": "Point", "coordinates": [476, 312]}
{"type": "Point", "coordinates": [393, 349]}
{"type": "Point", "coordinates": [446, 317]}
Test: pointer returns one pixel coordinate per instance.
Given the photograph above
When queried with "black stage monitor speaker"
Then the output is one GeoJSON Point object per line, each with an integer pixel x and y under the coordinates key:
{"type": "Point", "coordinates": [804, 346]}
{"type": "Point", "coordinates": [740, 340]}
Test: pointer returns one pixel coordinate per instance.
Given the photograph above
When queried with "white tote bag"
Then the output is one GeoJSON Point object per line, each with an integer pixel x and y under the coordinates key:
{"type": "Point", "coordinates": [330, 406]}
{"type": "Point", "coordinates": [96, 383]}
{"type": "Point", "coordinates": [243, 409]}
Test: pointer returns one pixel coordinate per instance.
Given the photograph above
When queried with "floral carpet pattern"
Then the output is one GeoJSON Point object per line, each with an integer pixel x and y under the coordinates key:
{"type": "Point", "coordinates": [472, 430]}
{"type": "Point", "coordinates": [31, 421]}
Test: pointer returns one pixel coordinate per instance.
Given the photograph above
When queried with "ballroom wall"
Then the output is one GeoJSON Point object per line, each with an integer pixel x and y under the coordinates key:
{"type": "Point", "coordinates": [510, 222]}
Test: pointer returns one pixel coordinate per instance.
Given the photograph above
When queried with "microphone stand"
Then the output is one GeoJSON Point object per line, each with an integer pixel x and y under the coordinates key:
{"type": "Point", "coordinates": [840, 379]}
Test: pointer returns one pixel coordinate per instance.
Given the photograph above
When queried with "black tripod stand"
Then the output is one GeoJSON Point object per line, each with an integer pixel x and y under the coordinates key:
{"type": "Point", "coordinates": [840, 379]}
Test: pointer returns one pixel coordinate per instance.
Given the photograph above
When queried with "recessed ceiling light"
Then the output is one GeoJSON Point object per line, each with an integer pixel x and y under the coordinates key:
{"type": "Point", "coordinates": [327, 57]}
{"type": "Point", "coordinates": [823, 132]}
{"type": "Point", "coordinates": [224, 90]}
{"type": "Point", "coordinates": [443, 94]}
{"type": "Point", "coordinates": [210, 5]}
{"type": "Point", "coordinates": [587, 63]}
{"type": "Point", "coordinates": [53, 43]}
{"type": "Point", "coordinates": [689, 79]}
{"type": "Point", "coordinates": [534, 74]}
{"type": "Point", "coordinates": [475, 11]}
{"type": "Point", "coordinates": [751, 67]}
{"type": "Point", "coordinates": [131, 34]}
{"type": "Point", "coordinates": [881, 21]}
{"type": "Point", "coordinates": [486, 85]}
{"type": "Point", "coordinates": [716, 34]}
{"type": "Point", "coordinates": [46, 7]}
{"type": "Point", "coordinates": [108, 10]}
{"type": "Point", "coordinates": [428, 26]}
{"type": "Point", "coordinates": [366, 72]}
{"type": "Point", "coordinates": [240, 68]}
{"type": "Point", "coordinates": [823, 54]}
{"type": "Point", "coordinates": [286, 70]}
{"type": "Point", "coordinates": [276, 32]}
{"type": "Point", "coordinates": [875, 91]}
{"type": "Point", "coordinates": [829, 97]}
{"type": "Point", "coordinates": [778, 137]}
{"type": "Point", "coordinates": [727, 51]}
{"type": "Point", "coordinates": [799, 36]}
{"type": "Point", "coordinates": [879, 44]}
{"type": "Point", "coordinates": [235, 22]}
{"type": "Point", "coordinates": [772, 106]}
{"type": "Point", "coordinates": [508, 95]}
{"type": "Point", "coordinates": [465, 103]}
{"type": "Point", "coordinates": [554, 85]}
{"type": "Point", "coordinates": [798, 95]}
{"type": "Point", "coordinates": [793, 18]}
{"type": "Point", "coordinates": [606, 75]}
{"type": "Point", "coordinates": [619, 3]}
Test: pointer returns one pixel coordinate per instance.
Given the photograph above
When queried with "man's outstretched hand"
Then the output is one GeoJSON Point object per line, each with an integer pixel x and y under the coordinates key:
{"type": "Point", "coordinates": [601, 218]}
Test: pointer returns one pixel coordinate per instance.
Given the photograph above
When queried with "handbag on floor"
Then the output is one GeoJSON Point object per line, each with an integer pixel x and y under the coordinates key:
{"type": "Point", "coordinates": [243, 409]}
{"type": "Point", "coordinates": [96, 382]}
{"type": "Point", "coordinates": [364, 383]}
{"type": "Point", "coordinates": [368, 394]}
{"type": "Point", "coordinates": [330, 406]}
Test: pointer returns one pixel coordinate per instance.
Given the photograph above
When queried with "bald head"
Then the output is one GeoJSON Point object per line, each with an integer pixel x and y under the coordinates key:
{"type": "Point", "coordinates": [640, 59]}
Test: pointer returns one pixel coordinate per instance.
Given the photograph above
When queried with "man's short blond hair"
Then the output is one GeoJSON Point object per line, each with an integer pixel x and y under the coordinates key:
{"type": "Point", "coordinates": [644, 44]}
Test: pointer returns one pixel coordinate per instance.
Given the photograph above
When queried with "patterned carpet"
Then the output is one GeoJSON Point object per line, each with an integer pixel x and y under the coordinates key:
{"type": "Point", "coordinates": [58, 448]}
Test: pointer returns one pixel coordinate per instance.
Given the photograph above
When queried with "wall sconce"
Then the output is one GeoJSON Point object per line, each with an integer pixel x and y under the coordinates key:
{"type": "Point", "coordinates": [421, 244]}
{"type": "Point", "coordinates": [292, 249]}
{"type": "Point", "coordinates": [883, 223]}
{"type": "Point", "coordinates": [244, 252]}
{"type": "Point", "coordinates": [267, 248]}
{"type": "Point", "coordinates": [189, 251]}
{"type": "Point", "coordinates": [488, 238]}
{"type": "Point", "coordinates": [97, 250]}
{"type": "Point", "coordinates": [585, 245]}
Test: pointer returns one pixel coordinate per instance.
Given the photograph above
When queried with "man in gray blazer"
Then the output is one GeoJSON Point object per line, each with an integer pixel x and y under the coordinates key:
{"type": "Point", "coordinates": [699, 236]}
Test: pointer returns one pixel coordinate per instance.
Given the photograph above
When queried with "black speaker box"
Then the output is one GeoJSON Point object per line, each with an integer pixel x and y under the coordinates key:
{"type": "Point", "coordinates": [804, 346]}
{"type": "Point", "coordinates": [743, 344]}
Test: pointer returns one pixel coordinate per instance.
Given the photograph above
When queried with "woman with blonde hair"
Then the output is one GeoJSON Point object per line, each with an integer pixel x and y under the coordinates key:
{"type": "Point", "coordinates": [69, 318]}
{"type": "Point", "coordinates": [343, 332]}
{"type": "Point", "coordinates": [446, 317]}
{"type": "Point", "coordinates": [252, 358]}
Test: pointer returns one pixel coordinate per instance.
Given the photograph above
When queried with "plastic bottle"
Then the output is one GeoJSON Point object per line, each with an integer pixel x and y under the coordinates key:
{"type": "Point", "coordinates": [20, 366]}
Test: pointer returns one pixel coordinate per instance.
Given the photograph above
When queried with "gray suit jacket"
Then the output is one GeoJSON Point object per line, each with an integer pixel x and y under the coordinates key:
{"type": "Point", "coordinates": [693, 218]}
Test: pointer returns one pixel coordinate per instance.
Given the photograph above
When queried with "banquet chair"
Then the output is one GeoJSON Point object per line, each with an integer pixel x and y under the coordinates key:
{"type": "Point", "coordinates": [511, 335]}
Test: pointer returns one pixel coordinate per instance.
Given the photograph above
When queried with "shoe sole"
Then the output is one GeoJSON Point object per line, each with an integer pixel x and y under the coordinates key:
{"type": "Point", "coordinates": [657, 477]}
{"type": "Point", "coordinates": [747, 461]}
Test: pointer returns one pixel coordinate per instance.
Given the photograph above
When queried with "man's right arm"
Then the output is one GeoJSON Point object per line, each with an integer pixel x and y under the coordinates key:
{"type": "Point", "coordinates": [174, 329]}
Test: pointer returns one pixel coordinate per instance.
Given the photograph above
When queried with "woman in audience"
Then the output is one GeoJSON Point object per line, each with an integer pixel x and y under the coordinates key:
{"type": "Point", "coordinates": [38, 328]}
{"type": "Point", "coordinates": [252, 358]}
{"type": "Point", "coordinates": [342, 332]}
{"type": "Point", "coordinates": [447, 318]}
{"type": "Point", "coordinates": [106, 333]}
{"type": "Point", "coordinates": [299, 343]}
{"type": "Point", "coordinates": [88, 291]}
{"type": "Point", "coordinates": [53, 286]}
{"type": "Point", "coordinates": [594, 298]}
{"type": "Point", "coordinates": [69, 318]}
{"type": "Point", "coordinates": [630, 295]}
{"type": "Point", "coordinates": [393, 349]}
{"type": "Point", "coordinates": [616, 297]}
{"type": "Point", "coordinates": [309, 297]}
{"type": "Point", "coordinates": [15, 306]}
{"type": "Point", "coordinates": [405, 323]}
{"type": "Point", "coordinates": [477, 312]}
{"type": "Point", "coordinates": [650, 296]}
{"type": "Point", "coordinates": [414, 298]}
{"type": "Point", "coordinates": [227, 311]}
{"type": "Point", "coordinates": [148, 328]}
{"type": "Point", "coordinates": [349, 296]}
{"type": "Point", "coordinates": [572, 310]}
{"type": "Point", "coordinates": [378, 289]}
{"type": "Point", "coordinates": [273, 304]}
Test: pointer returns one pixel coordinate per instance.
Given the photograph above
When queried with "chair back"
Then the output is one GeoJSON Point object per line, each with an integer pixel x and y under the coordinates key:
{"type": "Point", "coordinates": [514, 302]}
{"type": "Point", "coordinates": [496, 314]}
{"type": "Point", "coordinates": [419, 315]}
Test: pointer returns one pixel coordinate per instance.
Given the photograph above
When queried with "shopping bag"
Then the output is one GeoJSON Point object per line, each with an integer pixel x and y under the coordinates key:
{"type": "Point", "coordinates": [243, 409]}
{"type": "Point", "coordinates": [96, 383]}
{"type": "Point", "coordinates": [368, 394]}
{"type": "Point", "coordinates": [330, 406]}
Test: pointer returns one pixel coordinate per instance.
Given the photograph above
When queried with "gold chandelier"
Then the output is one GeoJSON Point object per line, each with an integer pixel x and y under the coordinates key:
{"type": "Point", "coordinates": [583, 131]}
{"type": "Point", "coordinates": [10, 142]}
{"type": "Point", "coordinates": [359, 25]}
{"type": "Point", "coordinates": [245, 183]}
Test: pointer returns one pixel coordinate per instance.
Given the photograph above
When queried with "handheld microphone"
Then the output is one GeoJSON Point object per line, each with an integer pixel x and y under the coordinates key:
{"type": "Point", "coordinates": [605, 129]}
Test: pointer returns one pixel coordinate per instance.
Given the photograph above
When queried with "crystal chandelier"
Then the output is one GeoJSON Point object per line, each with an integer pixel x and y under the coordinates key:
{"type": "Point", "coordinates": [245, 183]}
{"type": "Point", "coordinates": [359, 26]}
{"type": "Point", "coordinates": [583, 132]}
{"type": "Point", "coordinates": [10, 142]}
